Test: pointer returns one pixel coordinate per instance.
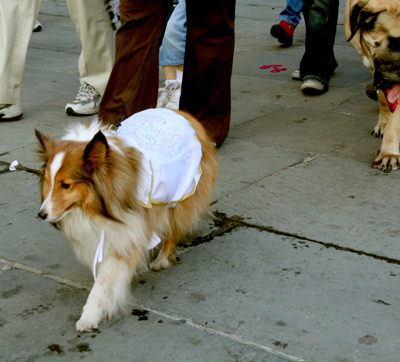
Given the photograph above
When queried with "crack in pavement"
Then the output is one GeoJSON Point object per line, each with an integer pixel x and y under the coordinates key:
{"type": "Point", "coordinates": [15, 265]}
{"type": "Point", "coordinates": [18, 168]}
{"type": "Point", "coordinates": [228, 224]}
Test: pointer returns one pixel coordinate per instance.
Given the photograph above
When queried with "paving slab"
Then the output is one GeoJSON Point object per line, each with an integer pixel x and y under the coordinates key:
{"type": "Point", "coordinates": [38, 325]}
{"type": "Point", "coordinates": [297, 296]}
{"type": "Point", "coordinates": [243, 163]}
{"type": "Point", "coordinates": [278, 292]}
{"type": "Point", "coordinates": [309, 201]}
{"type": "Point", "coordinates": [320, 132]}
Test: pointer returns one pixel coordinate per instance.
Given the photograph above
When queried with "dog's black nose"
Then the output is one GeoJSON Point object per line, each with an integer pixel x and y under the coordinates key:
{"type": "Point", "coordinates": [42, 215]}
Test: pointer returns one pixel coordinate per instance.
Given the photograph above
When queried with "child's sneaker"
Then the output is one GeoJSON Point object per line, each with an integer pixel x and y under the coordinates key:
{"type": "Point", "coordinates": [176, 97]}
{"type": "Point", "coordinates": [284, 32]}
{"type": "Point", "coordinates": [167, 93]}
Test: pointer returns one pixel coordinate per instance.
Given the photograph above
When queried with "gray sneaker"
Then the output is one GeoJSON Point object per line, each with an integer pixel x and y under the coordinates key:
{"type": "Point", "coordinates": [167, 92]}
{"type": "Point", "coordinates": [174, 100]}
{"type": "Point", "coordinates": [86, 103]}
{"type": "Point", "coordinates": [10, 112]}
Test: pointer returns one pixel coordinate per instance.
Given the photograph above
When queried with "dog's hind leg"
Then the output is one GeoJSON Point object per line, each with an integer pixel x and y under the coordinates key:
{"type": "Point", "coordinates": [165, 256]}
{"type": "Point", "coordinates": [110, 293]}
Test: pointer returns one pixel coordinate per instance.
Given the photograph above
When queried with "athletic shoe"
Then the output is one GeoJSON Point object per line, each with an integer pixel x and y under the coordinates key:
{"type": "Point", "coordinates": [167, 92]}
{"type": "Point", "coordinates": [86, 103]}
{"type": "Point", "coordinates": [313, 85]}
{"type": "Point", "coordinates": [175, 98]}
{"type": "Point", "coordinates": [10, 112]}
{"type": "Point", "coordinates": [37, 27]}
{"type": "Point", "coordinates": [284, 32]}
{"type": "Point", "coordinates": [296, 75]}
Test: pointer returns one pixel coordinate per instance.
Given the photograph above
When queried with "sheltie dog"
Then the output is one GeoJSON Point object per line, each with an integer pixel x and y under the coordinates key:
{"type": "Point", "coordinates": [114, 194]}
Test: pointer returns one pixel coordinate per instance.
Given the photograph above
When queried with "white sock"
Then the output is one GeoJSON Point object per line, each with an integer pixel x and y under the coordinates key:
{"type": "Point", "coordinates": [179, 75]}
{"type": "Point", "coordinates": [169, 81]}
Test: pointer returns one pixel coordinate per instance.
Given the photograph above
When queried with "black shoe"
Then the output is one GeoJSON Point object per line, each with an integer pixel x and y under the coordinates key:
{"type": "Point", "coordinates": [278, 31]}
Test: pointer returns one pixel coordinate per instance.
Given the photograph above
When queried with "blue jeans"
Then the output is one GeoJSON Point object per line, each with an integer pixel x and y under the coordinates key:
{"type": "Point", "coordinates": [172, 50]}
{"type": "Point", "coordinates": [321, 21]}
{"type": "Point", "coordinates": [292, 13]}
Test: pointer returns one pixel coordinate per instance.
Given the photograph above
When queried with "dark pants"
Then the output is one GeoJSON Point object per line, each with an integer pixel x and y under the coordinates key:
{"type": "Point", "coordinates": [207, 68]}
{"type": "Point", "coordinates": [321, 21]}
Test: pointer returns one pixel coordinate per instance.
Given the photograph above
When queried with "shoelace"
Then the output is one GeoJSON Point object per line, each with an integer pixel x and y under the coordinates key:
{"type": "Point", "coordinates": [166, 91]}
{"type": "Point", "coordinates": [315, 77]}
{"type": "Point", "coordinates": [85, 92]}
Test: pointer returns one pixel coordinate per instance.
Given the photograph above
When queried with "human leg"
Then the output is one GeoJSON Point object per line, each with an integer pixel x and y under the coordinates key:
{"type": "Point", "coordinates": [318, 62]}
{"type": "Point", "coordinates": [292, 12]}
{"type": "Point", "coordinates": [95, 32]}
{"type": "Point", "coordinates": [172, 50]}
{"type": "Point", "coordinates": [172, 54]}
{"type": "Point", "coordinates": [17, 19]}
{"type": "Point", "coordinates": [141, 23]}
{"type": "Point", "coordinates": [206, 87]}
{"type": "Point", "coordinates": [289, 18]}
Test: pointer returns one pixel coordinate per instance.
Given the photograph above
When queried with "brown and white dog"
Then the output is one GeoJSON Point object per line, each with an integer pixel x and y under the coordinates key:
{"type": "Point", "coordinates": [91, 186]}
{"type": "Point", "coordinates": [372, 27]}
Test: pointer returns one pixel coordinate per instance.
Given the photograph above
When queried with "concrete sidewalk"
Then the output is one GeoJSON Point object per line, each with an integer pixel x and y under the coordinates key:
{"type": "Point", "coordinates": [300, 262]}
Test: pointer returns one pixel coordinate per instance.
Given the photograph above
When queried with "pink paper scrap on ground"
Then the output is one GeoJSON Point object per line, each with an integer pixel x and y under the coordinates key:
{"type": "Point", "coordinates": [275, 67]}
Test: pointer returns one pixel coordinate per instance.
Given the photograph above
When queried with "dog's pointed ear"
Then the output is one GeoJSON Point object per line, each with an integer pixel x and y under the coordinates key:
{"type": "Point", "coordinates": [362, 17]}
{"type": "Point", "coordinates": [45, 143]}
{"type": "Point", "coordinates": [96, 151]}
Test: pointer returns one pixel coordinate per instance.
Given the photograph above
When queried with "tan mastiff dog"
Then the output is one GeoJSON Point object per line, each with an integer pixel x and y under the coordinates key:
{"type": "Point", "coordinates": [372, 27]}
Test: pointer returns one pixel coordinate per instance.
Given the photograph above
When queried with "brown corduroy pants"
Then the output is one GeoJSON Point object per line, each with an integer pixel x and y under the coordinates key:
{"type": "Point", "coordinates": [206, 89]}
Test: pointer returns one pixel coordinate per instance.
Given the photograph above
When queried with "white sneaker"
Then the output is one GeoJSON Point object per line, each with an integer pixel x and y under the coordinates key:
{"type": "Point", "coordinates": [176, 96]}
{"type": "Point", "coordinates": [86, 103]}
{"type": "Point", "coordinates": [313, 85]}
{"type": "Point", "coordinates": [37, 27]}
{"type": "Point", "coordinates": [167, 92]}
{"type": "Point", "coordinates": [10, 112]}
{"type": "Point", "coordinates": [296, 75]}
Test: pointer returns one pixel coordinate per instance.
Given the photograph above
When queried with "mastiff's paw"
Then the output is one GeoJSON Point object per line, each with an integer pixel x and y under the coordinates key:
{"type": "Point", "coordinates": [386, 162]}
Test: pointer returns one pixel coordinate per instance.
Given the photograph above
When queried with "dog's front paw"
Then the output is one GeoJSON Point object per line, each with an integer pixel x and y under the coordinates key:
{"type": "Point", "coordinates": [89, 320]}
{"type": "Point", "coordinates": [379, 130]}
{"type": "Point", "coordinates": [84, 325]}
{"type": "Point", "coordinates": [386, 162]}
